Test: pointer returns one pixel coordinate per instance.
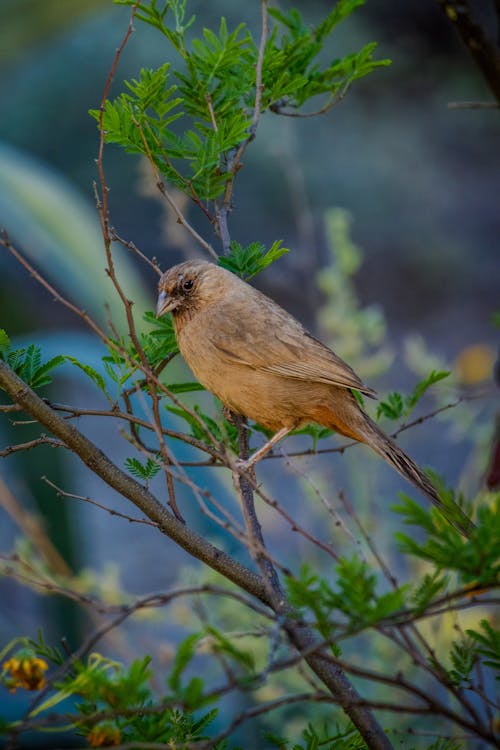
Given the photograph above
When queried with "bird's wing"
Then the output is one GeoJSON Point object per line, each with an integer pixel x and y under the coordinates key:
{"type": "Point", "coordinates": [268, 338]}
{"type": "Point", "coordinates": [320, 365]}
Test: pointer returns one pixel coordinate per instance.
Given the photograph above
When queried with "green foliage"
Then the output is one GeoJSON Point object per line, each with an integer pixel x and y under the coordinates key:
{"type": "Point", "coordinates": [292, 74]}
{"type": "Point", "coordinates": [184, 654]}
{"type": "Point", "coordinates": [487, 644]}
{"type": "Point", "coordinates": [427, 590]}
{"type": "Point", "coordinates": [223, 645]}
{"type": "Point", "coordinates": [156, 345]}
{"type": "Point", "coordinates": [206, 429]}
{"type": "Point", "coordinates": [445, 744]}
{"type": "Point", "coordinates": [355, 597]}
{"type": "Point", "coordinates": [27, 362]}
{"type": "Point", "coordinates": [145, 471]}
{"type": "Point", "coordinates": [247, 262]}
{"type": "Point", "coordinates": [187, 387]}
{"type": "Point", "coordinates": [347, 738]}
{"type": "Point", "coordinates": [475, 560]}
{"type": "Point", "coordinates": [163, 332]}
{"type": "Point", "coordinates": [91, 372]}
{"type": "Point", "coordinates": [100, 687]}
{"type": "Point", "coordinates": [315, 431]}
{"type": "Point", "coordinates": [392, 407]}
{"type": "Point", "coordinates": [43, 650]}
{"type": "Point", "coordinates": [395, 406]}
{"type": "Point", "coordinates": [213, 98]}
{"type": "Point", "coordinates": [116, 366]}
{"type": "Point", "coordinates": [463, 656]}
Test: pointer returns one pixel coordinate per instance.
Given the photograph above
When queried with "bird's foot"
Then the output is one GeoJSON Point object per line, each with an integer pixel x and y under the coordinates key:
{"type": "Point", "coordinates": [231, 416]}
{"type": "Point", "coordinates": [249, 463]}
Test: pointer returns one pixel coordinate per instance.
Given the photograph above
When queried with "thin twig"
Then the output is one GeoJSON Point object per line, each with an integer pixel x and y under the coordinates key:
{"type": "Point", "coordinates": [32, 526]}
{"type": "Point", "coordinates": [482, 48]}
{"type": "Point", "coordinates": [134, 249]}
{"type": "Point", "coordinates": [84, 498]}
{"type": "Point", "coordinates": [173, 205]}
{"type": "Point", "coordinates": [42, 440]}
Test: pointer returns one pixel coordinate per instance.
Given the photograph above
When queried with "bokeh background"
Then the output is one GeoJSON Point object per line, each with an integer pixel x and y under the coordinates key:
{"type": "Point", "coordinates": [419, 181]}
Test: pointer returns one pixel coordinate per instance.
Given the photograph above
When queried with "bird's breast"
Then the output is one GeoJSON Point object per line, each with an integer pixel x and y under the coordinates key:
{"type": "Point", "coordinates": [266, 398]}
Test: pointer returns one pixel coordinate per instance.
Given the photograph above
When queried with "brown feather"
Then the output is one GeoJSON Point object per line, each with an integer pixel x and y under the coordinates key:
{"type": "Point", "coordinates": [262, 363]}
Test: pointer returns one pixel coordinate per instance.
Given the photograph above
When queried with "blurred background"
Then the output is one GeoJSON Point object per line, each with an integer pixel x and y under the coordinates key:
{"type": "Point", "coordinates": [412, 184]}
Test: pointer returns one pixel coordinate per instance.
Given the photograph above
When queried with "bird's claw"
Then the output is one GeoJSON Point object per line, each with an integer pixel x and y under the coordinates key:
{"type": "Point", "coordinates": [229, 415]}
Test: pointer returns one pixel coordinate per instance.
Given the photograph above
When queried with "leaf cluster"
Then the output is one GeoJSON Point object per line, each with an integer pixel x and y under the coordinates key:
{"type": "Point", "coordinates": [314, 738]}
{"type": "Point", "coordinates": [207, 429]}
{"type": "Point", "coordinates": [353, 605]}
{"type": "Point", "coordinates": [190, 121]}
{"type": "Point", "coordinates": [293, 73]}
{"type": "Point", "coordinates": [145, 471]}
{"type": "Point", "coordinates": [110, 697]}
{"type": "Point", "coordinates": [396, 406]}
{"type": "Point", "coordinates": [27, 362]}
{"type": "Point", "coordinates": [475, 560]}
{"type": "Point", "coordinates": [465, 653]}
{"type": "Point", "coordinates": [247, 262]}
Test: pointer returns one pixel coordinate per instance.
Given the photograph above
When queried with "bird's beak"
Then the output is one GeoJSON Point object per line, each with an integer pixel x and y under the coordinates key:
{"type": "Point", "coordinates": [165, 304]}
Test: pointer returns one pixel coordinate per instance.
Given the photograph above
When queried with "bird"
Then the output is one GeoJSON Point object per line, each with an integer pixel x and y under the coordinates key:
{"type": "Point", "coordinates": [262, 364]}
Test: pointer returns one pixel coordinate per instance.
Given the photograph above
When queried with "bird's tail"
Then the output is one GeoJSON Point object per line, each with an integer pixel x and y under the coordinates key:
{"type": "Point", "coordinates": [394, 455]}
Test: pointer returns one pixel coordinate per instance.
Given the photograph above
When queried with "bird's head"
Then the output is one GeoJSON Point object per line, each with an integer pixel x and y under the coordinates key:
{"type": "Point", "coordinates": [187, 287]}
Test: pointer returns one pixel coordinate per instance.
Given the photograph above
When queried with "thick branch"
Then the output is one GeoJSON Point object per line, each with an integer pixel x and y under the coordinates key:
{"type": "Point", "coordinates": [484, 51]}
{"type": "Point", "coordinates": [101, 465]}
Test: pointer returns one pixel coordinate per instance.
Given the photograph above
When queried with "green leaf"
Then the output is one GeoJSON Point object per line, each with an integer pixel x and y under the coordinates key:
{"type": "Point", "coordinates": [45, 651]}
{"type": "Point", "coordinates": [421, 387]}
{"type": "Point", "coordinates": [358, 396]}
{"type": "Point", "coordinates": [144, 471]}
{"type": "Point", "coordinates": [474, 559]}
{"type": "Point", "coordinates": [488, 644]}
{"type": "Point", "coordinates": [446, 744]}
{"type": "Point", "coordinates": [315, 431]}
{"type": "Point", "coordinates": [207, 429]}
{"type": "Point", "coordinates": [463, 656]}
{"type": "Point", "coordinates": [27, 363]}
{"type": "Point", "coordinates": [4, 341]}
{"type": "Point", "coordinates": [163, 332]}
{"type": "Point", "coordinates": [428, 589]}
{"type": "Point", "coordinates": [292, 73]}
{"type": "Point", "coordinates": [41, 377]}
{"type": "Point", "coordinates": [248, 261]}
{"type": "Point", "coordinates": [95, 376]}
{"type": "Point", "coordinates": [185, 652]}
{"type": "Point", "coordinates": [197, 429]}
{"type": "Point", "coordinates": [228, 648]}
{"type": "Point", "coordinates": [392, 407]}
{"type": "Point", "coordinates": [184, 387]}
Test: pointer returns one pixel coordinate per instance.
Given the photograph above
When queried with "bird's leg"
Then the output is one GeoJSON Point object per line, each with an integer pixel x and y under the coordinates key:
{"type": "Point", "coordinates": [259, 454]}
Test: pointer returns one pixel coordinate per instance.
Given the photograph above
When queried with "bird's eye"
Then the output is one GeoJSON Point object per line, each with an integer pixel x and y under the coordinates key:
{"type": "Point", "coordinates": [187, 285]}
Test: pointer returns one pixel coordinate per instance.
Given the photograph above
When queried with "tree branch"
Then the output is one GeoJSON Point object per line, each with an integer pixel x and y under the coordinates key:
{"type": "Point", "coordinates": [101, 465]}
{"type": "Point", "coordinates": [301, 636]}
{"type": "Point", "coordinates": [484, 51]}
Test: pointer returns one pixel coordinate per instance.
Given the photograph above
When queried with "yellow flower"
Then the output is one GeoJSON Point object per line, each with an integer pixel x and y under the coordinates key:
{"type": "Point", "coordinates": [25, 671]}
{"type": "Point", "coordinates": [104, 735]}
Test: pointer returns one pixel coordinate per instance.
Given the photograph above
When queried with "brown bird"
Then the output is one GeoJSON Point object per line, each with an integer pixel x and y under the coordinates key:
{"type": "Point", "coordinates": [263, 364]}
